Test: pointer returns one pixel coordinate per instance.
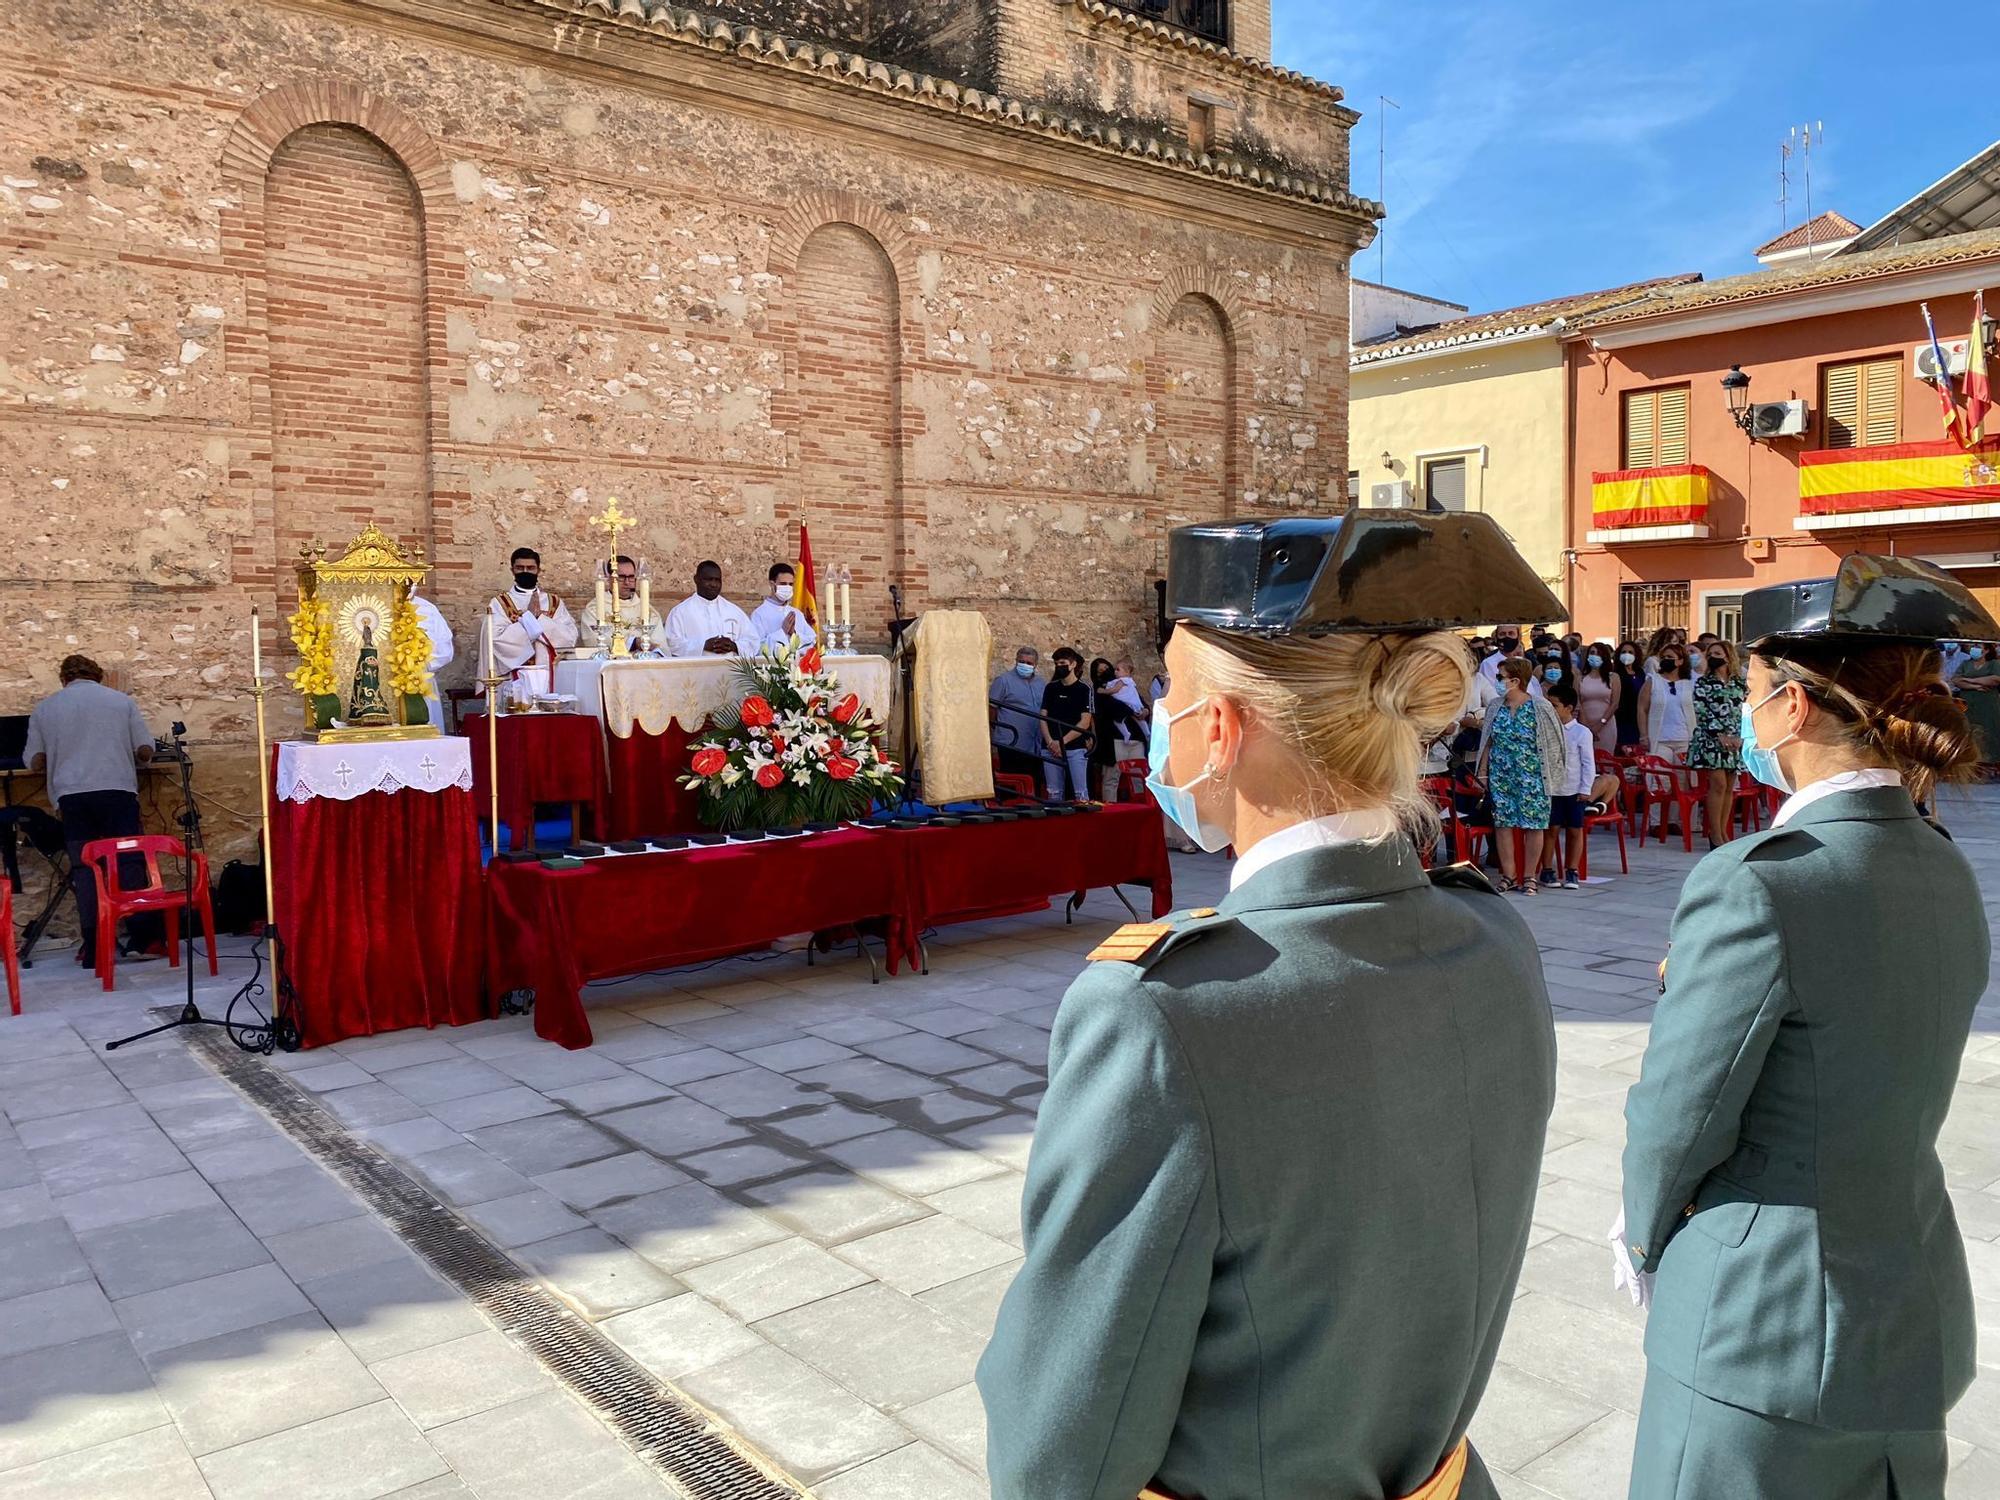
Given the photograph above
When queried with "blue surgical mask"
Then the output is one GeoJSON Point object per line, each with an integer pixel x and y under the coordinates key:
{"type": "Point", "coordinates": [1552, 674]}
{"type": "Point", "coordinates": [1595, 660]}
{"type": "Point", "coordinates": [1177, 802]}
{"type": "Point", "coordinates": [1025, 668]}
{"type": "Point", "coordinates": [1761, 761]}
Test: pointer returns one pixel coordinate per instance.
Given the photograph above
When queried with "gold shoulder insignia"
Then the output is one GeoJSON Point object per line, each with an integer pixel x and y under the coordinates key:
{"type": "Point", "coordinates": [1464, 877]}
{"type": "Point", "coordinates": [1130, 943]}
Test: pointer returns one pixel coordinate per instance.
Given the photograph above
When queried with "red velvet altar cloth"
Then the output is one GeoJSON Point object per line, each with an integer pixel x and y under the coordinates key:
{"type": "Point", "coordinates": [552, 931]}
{"type": "Point", "coordinates": [379, 904]}
{"type": "Point", "coordinates": [997, 869]}
{"type": "Point", "coordinates": [555, 758]}
{"type": "Point", "coordinates": [647, 798]}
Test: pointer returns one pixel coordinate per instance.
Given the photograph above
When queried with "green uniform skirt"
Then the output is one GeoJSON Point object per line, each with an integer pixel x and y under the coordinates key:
{"type": "Point", "coordinates": [1692, 1448]}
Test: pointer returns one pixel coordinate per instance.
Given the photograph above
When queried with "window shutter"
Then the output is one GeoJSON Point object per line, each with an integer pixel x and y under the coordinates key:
{"type": "Point", "coordinates": [1842, 406]}
{"type": "Point", "coordinates": [1444, 482]}
{"type": "Point", "coordinates": [1671, 445]}
{"type": "Point", "coordinates": [1639, 410]}
{"type": "Point", "coordinates": [1881, 421]}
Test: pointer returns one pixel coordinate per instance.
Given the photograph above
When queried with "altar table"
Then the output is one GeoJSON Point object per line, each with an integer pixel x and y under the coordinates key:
{"type": "Point", "coordinates": [545, 758]}
{"type": "Point", "coordinates": [375, 875]}
{"type": "Point", "coordinates": [652, 707]}
{"type": "Point", "coordinates": [975, 871]}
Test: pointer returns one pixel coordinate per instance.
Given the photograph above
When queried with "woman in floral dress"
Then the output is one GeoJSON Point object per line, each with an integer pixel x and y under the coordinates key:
{"type": "Point", "coordinates": [1514, 761]}
{"type": "Point", "coordinates": [1716, 749]}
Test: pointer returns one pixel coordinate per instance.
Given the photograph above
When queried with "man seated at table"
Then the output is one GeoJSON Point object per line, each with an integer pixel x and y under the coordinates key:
{"type": "Point", "coordinates": [597, 633]}
{"type": "Point", "coordinates": [708, 624]}
{"type": "Point", "coordinates": [530, 626]}
{"type": "Point", "coordinates": [776, 619]}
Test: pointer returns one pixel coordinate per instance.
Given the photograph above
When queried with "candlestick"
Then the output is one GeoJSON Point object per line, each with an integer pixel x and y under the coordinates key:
{"type": "Point", "coordinates": [602, 615]}
{"type": "Point", "coordinates": [256, 649]}
{"type": "Point", "coordinates": [264, 799]}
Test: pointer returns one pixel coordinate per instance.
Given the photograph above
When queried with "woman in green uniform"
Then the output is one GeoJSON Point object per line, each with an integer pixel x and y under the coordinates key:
{"type": "Point", "coordinates": [1812, 1319]}
{"type": "Point", "coordinates": [1281, 1182]}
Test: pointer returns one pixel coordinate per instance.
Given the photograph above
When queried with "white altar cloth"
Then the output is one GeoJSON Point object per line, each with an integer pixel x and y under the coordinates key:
{"type": "Point", "coordinates": [307, 769]}
{"type": "Point", "coordinates": [650, 694]}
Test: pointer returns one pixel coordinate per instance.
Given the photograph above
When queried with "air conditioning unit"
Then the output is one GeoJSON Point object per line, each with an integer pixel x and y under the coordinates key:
{"type": "Point", "coordinates": [1769, 419]}
{"type": "Point", "coordinates": [1390, 495]}
{"type": "Point", "coordinates": [1956, 353]}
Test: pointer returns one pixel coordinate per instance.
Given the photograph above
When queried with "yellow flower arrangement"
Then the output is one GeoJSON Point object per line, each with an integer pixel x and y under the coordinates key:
{"type": "Point", "coordinates": [312, 633]}
{"type": "Point", "coordinates": [410, 652]}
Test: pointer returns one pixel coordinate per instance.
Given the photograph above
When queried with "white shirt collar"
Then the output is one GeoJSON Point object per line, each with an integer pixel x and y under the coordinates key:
{"type": "Point", "coordinates": [1826, 786]}
{"type": "Point", "coordinates": [1364, 825]}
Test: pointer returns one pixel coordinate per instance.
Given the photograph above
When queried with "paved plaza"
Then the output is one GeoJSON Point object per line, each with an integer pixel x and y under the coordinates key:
{"type": "Point", "coordinates": [788, 1193]}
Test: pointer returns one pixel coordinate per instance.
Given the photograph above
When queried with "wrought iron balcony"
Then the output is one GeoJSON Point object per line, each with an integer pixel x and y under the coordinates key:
{"type": "Point", "coordinates": [1208, 19]}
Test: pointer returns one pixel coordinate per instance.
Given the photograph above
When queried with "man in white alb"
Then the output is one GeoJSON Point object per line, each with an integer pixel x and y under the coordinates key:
{"type": "Point", "coordinates": [597, 632]}
{"type": "Point", "coordinates": [530, 626]}
{"type": "Point", "coordinates": [708, 624]}
{"type": "Point", "coordinates": [442, 651]}
{"type": "Point", "coordinates": [776, 619]}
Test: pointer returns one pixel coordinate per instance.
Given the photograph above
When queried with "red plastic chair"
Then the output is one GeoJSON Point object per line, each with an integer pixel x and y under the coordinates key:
{"type": "Point", "coordinates": [1612, 817]}
{"type": "Point", "coordinates": [1132, 781]}
{"type": "Point", "coordinates": [13, 953]}
{"type": "Point", "coordinates": [115, 902]}
{"type": "Point", "coordinates": [1671, 786]}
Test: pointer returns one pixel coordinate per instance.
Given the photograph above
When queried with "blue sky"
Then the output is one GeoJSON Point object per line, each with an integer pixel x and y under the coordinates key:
{"type": "Point", "coordinates": [1544, 148]}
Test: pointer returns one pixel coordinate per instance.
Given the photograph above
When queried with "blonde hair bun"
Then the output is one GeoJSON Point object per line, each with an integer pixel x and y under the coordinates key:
{"type": "Point", "coordinates": [1420, 679]}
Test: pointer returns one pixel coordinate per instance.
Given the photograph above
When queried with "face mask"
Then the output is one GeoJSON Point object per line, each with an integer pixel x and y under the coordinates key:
{"type": "Point", "coordinates": [1595, 661]}
{"type": "Point", "coordinates": [1761, 761]}
{"type": "Point", "coordinates": [782, 593]}
{"type": "Point", "coordinates": [1025, 668]}
{"type": "Point", "coordinates": [1626, 657]}
{"type": "Point", "coordinates": [1552, 674]}
{"type": "Point", "coordinates": [1716, 661]}
{"type": "Point", "coordinates": [526, 580]}
{"type": "Point", "coordinates": [1177, 802]}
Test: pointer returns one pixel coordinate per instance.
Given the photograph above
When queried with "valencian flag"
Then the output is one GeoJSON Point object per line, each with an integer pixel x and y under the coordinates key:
{"type": "Point", "coordinates": [806, 601]}
{"type": "Point", "coordinates": [1947, 398]}
{"type": "Point", "coordinates": [1978, 384]}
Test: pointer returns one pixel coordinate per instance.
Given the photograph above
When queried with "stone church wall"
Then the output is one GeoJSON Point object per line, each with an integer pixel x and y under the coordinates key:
{"type": "Point", "coordinates": [272, 271]}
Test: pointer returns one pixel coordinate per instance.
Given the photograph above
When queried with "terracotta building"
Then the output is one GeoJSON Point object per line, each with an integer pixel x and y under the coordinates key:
{"type": "Point", "coordinates": [993, 291]}
{"type": "Point", "coordinates": [1676, 507]}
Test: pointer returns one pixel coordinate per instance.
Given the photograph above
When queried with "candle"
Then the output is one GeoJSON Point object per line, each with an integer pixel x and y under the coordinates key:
{"type": "Point", "coordinates": [256, 649]}
{"type": "Point", "coordinates": [603, 615]}
{"type": "Point", "coordinates": [846, 603]}
{"type": "Point", "coordinates": [645, 599]}
{"type": "Point", "coordinates": [487, 633]}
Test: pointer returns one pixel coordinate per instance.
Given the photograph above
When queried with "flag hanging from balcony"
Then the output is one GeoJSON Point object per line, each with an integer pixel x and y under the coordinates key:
{"type": "Point", "coordinates": [1978, 385]}
{"type": "Point", "coordinates": [1899, 476]}
{"type": "Point", "coordinates": [1947, 397]}
{"type": "Point", "coordinates": [1673, 496]}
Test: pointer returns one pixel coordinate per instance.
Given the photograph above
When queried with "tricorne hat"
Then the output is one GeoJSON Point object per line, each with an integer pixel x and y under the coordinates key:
{"type": "Point", "coordinates": [1871, 599]}
{"type": "Point", "coordinates": [1373, 571]}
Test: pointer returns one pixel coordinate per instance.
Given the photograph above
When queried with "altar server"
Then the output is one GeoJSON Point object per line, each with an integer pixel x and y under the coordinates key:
{"type": "Point", "coordinates": [442, 651]}
{"type": "Point", "coordinates": [597, 633]}
{"type": "Point", "coordinates": [707, 624]}
{"type": "Point", "coordinates": [776, 619]}
{"type": "Point", "coordinates": [1812, 1319]}
{"type": "Point", "coordinates": [1280, 1189]}
{"type": "Point", "coordinates": [530, 626]}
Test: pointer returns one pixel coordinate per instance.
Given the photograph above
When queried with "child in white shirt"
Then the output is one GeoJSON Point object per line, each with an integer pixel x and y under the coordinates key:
{"type": "Point", "coordinates": [1581, 792]}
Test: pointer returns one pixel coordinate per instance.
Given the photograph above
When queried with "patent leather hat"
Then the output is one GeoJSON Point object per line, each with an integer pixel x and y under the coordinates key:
{"type": "Point", "coordinates": [1886, 599]}
{"type": "Point", "coordinates": [1373, 571]}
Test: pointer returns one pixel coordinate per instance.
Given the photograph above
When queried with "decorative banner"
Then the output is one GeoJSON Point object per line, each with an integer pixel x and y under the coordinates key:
{"type": "Point", "coordinates": [1898, 476]}
{"type": "Point", "coordinates": [1673, 496]}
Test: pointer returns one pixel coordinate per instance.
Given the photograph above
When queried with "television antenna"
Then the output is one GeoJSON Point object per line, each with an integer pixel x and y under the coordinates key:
{"type": "Point", "coordinates": [1382, 182]}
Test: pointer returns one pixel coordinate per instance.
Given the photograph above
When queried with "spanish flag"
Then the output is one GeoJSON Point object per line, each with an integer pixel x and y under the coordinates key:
{"type": "Point", "coordinates": [805, 600]}
{"type": "Point", "coordinates": [1947, 397]}
{"type": "Point", "coordinates": [1978, 384]}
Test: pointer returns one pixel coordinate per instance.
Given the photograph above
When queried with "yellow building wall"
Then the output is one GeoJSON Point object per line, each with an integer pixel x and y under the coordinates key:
{"type": "Point", "coordinates": [1508, 397]}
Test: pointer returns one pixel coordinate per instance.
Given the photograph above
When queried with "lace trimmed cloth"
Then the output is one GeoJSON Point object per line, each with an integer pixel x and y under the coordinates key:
{"type": "Point", "coordinates": [344, 772]}
{"type": "Point", "coordinates": [647, 696]}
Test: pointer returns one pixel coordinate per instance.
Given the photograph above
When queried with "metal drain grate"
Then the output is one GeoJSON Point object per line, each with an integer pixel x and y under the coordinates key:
{"type": "Point", "coordinates": [666, 1430]}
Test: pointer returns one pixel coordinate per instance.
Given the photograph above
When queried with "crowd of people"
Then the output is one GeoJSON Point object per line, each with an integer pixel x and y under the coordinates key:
{"type": "Point", "coordinates": [1068, 732]}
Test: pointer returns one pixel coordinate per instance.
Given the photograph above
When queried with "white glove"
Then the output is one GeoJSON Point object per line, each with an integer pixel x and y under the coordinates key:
{"type": "Point", "coordinates": [1638, 1283]}
{"type": "Point", "coordinates": [532, 625]}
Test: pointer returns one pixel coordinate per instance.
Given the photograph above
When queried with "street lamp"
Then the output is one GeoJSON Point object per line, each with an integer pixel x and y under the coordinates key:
{"type": "Point", "coordinates": [1736, 385]}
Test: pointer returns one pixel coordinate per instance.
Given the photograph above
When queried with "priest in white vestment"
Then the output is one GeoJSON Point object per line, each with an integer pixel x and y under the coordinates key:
{"type": "Point", "coordinates": [442, 651]}
{"type": "Point", "coordinates": [708, 624]}
{"type": "Point", "coordinates": [776, 619]}
{"type": "Point", "coordinates": [597, 633]}
{"type": "Point", "coordinates": [530, 627]}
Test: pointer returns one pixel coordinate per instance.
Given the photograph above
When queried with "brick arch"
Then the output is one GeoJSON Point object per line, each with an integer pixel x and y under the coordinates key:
{"type": "Point", "coordinates": [817, 210]}
{"type": "Point", "coordinates": [277, 113]}
{"type": "Point", "coordinates": [1194, 381]}
{"type": "Point", "coordinates": [1199, 281]}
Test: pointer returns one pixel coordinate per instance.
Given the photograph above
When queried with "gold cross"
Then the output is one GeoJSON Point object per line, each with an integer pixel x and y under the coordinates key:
{"type": "Point", "coordinates": [613, 521]}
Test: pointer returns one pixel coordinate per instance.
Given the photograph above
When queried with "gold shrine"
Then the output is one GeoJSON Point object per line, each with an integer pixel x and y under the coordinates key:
{"type": "Point", "coordinates": [364, 658]}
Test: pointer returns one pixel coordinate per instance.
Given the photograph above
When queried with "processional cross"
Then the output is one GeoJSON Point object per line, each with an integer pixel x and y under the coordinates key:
{"type": "Point", "coordinates": [611, 523]}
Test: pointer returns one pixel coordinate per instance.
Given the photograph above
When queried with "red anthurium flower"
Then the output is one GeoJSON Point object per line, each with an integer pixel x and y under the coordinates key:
{"type": "Point", "coordinates": [777, 744]}
{"type": "Point", "coordinates": [708, 762]}
{"type": "Point", "coordinates": [770, 776]}
{"type": "Point", "coordinates": [846, 708]}
{"type": "Point", "coordinates": [809, 659]}
{"type": "Point", "coordinates": [756, 713]}
{"type": "Point", "coordinates": [840, 768]}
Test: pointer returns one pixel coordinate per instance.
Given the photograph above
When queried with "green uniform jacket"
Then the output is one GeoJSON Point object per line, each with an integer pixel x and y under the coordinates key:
{"type": "Point", "coordinates": [1279, 1195]}
{"type": "Point", "coordinates": [1781, 1168]}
